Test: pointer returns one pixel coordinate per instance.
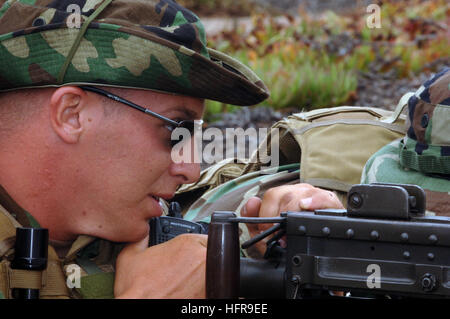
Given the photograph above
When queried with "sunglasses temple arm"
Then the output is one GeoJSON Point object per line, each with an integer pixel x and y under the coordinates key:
{"type": "Point", "coordinates": [147, 111]}
{"type": "Point", "coordinates": [135, 106]}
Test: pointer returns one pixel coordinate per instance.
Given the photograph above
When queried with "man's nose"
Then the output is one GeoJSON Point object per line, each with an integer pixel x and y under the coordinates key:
{"type": "Point", "coordinates": [189, 172]}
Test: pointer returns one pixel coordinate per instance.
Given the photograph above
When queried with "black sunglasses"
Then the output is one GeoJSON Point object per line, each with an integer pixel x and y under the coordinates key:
{"type": "Point", "coordinates": [190, 125]}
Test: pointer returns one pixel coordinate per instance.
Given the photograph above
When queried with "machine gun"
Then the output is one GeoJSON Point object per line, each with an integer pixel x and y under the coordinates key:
{"type": "Point", "coordinates": [383, 245]}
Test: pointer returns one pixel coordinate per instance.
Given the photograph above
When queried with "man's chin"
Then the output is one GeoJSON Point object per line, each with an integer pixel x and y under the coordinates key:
{"type": "Point", "coordinates": [130, 236]}
{"type": "Point", "coordinates": [137, 236]}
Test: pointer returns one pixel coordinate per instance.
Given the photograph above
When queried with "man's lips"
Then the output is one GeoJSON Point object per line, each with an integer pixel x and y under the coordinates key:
{"type": "Point", "coordinates": [163, 196]}
{"type": "Point", "coordinates": [155, 204]}
{"type": "Point", "coordinates": [158, 198]}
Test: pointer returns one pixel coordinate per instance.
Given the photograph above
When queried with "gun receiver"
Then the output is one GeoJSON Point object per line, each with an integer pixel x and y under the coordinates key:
{"type": "Point", "coordinates": [383, 244]}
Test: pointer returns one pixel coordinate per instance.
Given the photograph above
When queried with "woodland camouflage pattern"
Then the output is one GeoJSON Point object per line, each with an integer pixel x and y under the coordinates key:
{"type": "Point", "coordinates": [149, 44]}
{"type": "Point", "coordinates": [422, 157]}
{"type": "Point", "coordinates": [426, 148]}
{"type": "Point", "coordinates": [224, 187]}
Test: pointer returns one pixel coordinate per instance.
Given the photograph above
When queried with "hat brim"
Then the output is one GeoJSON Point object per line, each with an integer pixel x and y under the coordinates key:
{"type": "Point", "coordinates": [125, 57]}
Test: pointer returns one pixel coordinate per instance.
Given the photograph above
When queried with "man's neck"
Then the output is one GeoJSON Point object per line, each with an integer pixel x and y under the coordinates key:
{"type": "Point", "coordinates": [22, 216]}
{"type": "Point", "coordinates": [27, 220]}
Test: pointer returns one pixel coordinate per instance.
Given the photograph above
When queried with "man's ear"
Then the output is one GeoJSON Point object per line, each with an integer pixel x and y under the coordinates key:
{"type": "Point", "coordinates": [66, 103]}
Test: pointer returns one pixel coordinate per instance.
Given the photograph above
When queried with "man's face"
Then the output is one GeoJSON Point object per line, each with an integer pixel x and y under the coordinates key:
{"type": "Point", "coordinates": [127, 165]}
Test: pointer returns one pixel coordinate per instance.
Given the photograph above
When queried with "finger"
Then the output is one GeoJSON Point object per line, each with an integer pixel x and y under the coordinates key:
{"type": "Point", "coordinates": [188, 240]}
{"type": "Point", "coordinates": [294, 201]}
{"type": "Point", "coordinates": [269, 208]}
{"type": "Point", "coordinates": [280, 199]}
{"type": "Point", "coordinates": [321, 200]}
{"type": "Point", "coordinates": [284, 198]}
{"type": "Point", "coordinates": [251, 209]}
{"type": "Point", "coordinates": [201, 239]}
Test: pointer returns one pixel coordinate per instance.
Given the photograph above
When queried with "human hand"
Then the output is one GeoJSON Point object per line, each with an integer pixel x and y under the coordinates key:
{"type": "Point", "coordinates": [298, 197]}
{"type": "Point", "coordinates": [174, 269]}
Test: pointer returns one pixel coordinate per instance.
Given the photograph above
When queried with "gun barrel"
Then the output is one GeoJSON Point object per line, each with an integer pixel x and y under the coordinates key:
{"type": "Point", "coordinates": [261, 279]}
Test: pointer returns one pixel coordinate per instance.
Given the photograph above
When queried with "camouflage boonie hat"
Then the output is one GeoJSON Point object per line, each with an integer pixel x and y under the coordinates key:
{"type": "Point", "coordinates": [422, 157]}
{"type": "Point", "coordinates": [426, 147]}
{"type": "Point", "coordinates": [144, 44]}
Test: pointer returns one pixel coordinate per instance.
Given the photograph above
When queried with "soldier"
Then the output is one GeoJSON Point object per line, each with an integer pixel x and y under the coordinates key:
{"type": "Point", "coordinates": [422, 157]}
{"type": "Point", "coordinates": [78, 156]}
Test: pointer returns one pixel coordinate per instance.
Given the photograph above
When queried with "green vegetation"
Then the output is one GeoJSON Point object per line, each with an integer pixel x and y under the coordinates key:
{"type": "Point", "coordinates": [311, 62]}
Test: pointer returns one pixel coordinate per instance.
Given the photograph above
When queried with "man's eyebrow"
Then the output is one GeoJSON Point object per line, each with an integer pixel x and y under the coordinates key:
{"type": "Point", "coordinates": [191, 115]}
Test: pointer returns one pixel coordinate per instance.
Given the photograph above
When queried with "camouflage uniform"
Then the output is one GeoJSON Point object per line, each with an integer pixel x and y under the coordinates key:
{"type": "Point", "coordinates": [145, 44]}
{"type": "Point", "coordinates": [422, 157]}
{"type": "Point", "coordinates": [215, 193]}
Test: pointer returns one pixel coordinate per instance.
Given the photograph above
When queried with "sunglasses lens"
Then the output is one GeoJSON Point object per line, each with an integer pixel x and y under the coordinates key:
{"type": "Point", "coordinates": [191, 126]}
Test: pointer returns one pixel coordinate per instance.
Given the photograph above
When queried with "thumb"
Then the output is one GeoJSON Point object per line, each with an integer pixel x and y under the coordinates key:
{"type": "Point", "coordinates": [251, 209]}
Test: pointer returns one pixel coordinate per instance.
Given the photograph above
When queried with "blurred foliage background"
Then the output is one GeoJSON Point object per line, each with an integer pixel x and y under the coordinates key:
{"type": "Point", "coordinates": [316, 60]}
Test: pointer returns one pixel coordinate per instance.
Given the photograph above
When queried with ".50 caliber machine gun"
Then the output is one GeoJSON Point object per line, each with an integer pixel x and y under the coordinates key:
{"type": "Point", "coordinates": [382, 245]}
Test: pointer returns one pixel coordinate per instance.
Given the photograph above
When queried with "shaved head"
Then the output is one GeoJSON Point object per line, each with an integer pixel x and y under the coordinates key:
{"type": "Point", "coordinates": [19, 107]}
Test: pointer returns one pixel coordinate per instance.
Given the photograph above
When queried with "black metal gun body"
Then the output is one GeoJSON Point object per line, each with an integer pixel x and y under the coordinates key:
{"type": "Point", "coordinates": [382, 245]}
{"type": "Point", "coordinates": [411, 257]}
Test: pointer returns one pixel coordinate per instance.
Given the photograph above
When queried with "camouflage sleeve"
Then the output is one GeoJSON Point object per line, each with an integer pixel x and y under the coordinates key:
{"type": "Point", "coordinates": [232, 195]}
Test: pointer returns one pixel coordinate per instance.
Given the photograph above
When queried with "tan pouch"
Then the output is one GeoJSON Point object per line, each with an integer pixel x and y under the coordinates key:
{"type": "Point", "coordinates": [332, 145]}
